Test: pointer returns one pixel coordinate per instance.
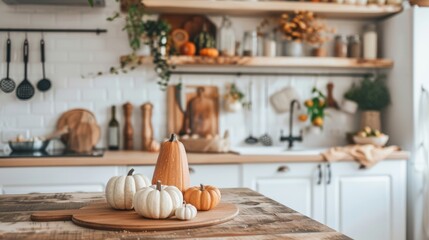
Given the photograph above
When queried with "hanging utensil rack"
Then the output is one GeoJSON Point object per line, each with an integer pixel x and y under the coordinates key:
{"type": "Point", "coordinates": [52, 30]}
{"type": "Point", "coordinates": [303, 74]}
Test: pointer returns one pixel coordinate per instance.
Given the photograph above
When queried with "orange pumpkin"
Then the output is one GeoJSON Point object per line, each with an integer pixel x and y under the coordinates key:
{"type": "Point", "coordinates": [203, 197]}
{"type": "Point", "coordinates": [209, 52]}
{"type": "Point", "coordinates": [188, 49]}
{"type": "Point", "coordinates": [172, 165]}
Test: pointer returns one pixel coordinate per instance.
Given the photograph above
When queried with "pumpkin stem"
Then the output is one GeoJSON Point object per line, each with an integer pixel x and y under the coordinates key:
{"type": "Point", "coordinates": [158, 185]}
{"type": "Point", "coordinates": [173, 138]}
{"type": "Point", "coordinates": [131, 172]}
{"type": "Point", "coordinates": [202, 187]}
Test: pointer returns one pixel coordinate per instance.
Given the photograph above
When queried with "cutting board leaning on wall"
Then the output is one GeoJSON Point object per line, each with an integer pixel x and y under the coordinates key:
{"type": "Point", "coordinates": [193, 110]}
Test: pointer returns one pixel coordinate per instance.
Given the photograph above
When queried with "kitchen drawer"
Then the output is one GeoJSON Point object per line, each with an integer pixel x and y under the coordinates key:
{"type": "Point", "coordinates": [220, 175]}
{"type": "Point", "coordinates": [55, 179]}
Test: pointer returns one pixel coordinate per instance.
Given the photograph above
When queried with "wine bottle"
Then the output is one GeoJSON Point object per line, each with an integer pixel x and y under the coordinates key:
{"type": "Point", "coordinates": [113, 133]}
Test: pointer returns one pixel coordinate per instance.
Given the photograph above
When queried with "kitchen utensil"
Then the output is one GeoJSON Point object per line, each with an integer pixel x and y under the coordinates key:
{"type": "Point", "coordinates": [83, 131]}
{"type": "Point", "coordinates": [148, 143]}
{"type": "Point", "coordinates": [250, 139]}
{"type": "Point", "coordinates": [216, 144]}
{"type": "Point", "coordinates": [25, 90]}
{"type": "Point", "coordinates": [29, 146]}
{"type": "Point", "coordinates": [330, 101]}
{"type": "Point", "coordinates": [44, 84]}
{"type": "Point", "coordinates": [7, 85]}
{"type": "Point", "coordinates": [128, 128]}
{"type": "Point", "coordinates": [266, 139]}
{"type": "Point", "coordinates": [99, 215]}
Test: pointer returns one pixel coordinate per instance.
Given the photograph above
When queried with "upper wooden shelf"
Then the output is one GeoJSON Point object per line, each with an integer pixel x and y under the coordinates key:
{"type": "Point", "coordinates": [328, 10]}
{"type": "Point", "coordinates": [299, 62]}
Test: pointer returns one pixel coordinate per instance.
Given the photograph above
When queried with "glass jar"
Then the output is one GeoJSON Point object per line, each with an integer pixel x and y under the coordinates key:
{"type": "Point", "coordinates": [226, 38]}
{"type": "Point", "coordinates": [250, 43]}
{"type": "Point", "coordinates": [270, 45]}
{"type": "Point", "coordinates": [370, 42]}
{"type": "Point", "coordinates": [340, 46]}
{"type": "Point", "coordinates": [354, 46]}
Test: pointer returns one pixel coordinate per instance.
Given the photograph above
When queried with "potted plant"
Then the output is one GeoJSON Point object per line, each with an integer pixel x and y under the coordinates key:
{"type": "Point", "coordinates": [141, 32]}
{"type": "Point", "coordinates": [371, 96]}
{"type": "Point", "coordinates": [233, 99]}
{"type": "Point", "coordinates": [318, 34]}
{"type": "Point", "coordinates": [295, 26]}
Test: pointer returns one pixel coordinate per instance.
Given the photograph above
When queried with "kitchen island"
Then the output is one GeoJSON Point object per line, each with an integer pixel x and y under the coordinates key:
{"type": "Point", "coordinates": [259, 218]}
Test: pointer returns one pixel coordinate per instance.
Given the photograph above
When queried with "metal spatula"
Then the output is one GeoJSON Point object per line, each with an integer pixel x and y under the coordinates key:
{"type": "Point", "coordinates": [25, 90]}
{"type": "Point", "coordinates": [7, 85]}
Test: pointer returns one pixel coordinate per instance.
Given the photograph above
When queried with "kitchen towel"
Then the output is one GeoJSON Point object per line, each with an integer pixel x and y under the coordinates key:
{"type": "Point", "coordinates": [367, 155]}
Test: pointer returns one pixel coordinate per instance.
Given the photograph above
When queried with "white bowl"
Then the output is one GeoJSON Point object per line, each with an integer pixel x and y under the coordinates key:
{"type": "Point", "coordinates": [377, 141]}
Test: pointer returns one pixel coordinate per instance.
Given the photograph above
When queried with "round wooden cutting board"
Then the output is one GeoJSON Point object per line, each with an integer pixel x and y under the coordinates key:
{"type": "Point", "coordinates": [101, 216]}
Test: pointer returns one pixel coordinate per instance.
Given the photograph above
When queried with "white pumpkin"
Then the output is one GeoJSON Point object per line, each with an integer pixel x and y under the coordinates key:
{"type": "Point", "coordinates": [157, 201]}
{"type": "Point", "coordinates": [186, 212]}
{"type": "Point", "coordinates": [120, 190]}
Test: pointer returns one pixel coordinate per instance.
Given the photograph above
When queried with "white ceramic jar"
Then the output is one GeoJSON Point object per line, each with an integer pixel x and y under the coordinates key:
{"type": "Point", "coordinates": [370, 42]}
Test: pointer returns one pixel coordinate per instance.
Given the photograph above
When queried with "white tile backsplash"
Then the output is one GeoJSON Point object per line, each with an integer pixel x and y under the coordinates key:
{"type": "Point", "coordinates": [71, 56]}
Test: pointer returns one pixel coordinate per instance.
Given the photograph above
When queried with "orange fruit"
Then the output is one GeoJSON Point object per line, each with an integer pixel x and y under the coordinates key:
{"type": "Point", "coordinates": [309, 103]}
{"type": "Point", "coordinates": [303, 117]}
{"type": "Point", "coordinates": [321, 103]}
{"type": "Point", "coordinates": [318, 121]}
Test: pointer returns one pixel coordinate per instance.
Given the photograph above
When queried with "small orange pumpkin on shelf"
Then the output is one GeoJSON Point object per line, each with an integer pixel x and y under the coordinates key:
{"type": "Point", "coordinates": [209, 52]}
{"type": "Point", "coordinates": [172, 165]}
{"type": "Point", "coordinates": [188, 49]}
{"type": "Point", "coordinates": [203, 197]}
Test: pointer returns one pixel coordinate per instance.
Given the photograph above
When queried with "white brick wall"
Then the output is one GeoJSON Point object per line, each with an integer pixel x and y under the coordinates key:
{"type": "Point", "coordinates": [71, 55]}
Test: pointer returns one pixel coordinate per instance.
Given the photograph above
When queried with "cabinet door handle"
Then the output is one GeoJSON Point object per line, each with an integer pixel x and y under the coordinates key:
{"type": "Point", "coordinates": [283, 169]}
{"type": "Point", "coordinates": [328, 181]}
{"type": "Point", "coordinates": [191, 170]}
{"type": "Point", "coordinates": [320, 175]}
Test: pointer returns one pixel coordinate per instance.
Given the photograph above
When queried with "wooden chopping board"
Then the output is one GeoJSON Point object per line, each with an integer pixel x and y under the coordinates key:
{"type": "Point", "coordinates": [99, 215]}
{"type": "Point", "coordinates": [83, 130]}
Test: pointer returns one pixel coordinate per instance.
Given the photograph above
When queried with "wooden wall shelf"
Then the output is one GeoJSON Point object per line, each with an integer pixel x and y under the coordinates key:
{"type": "Point", "coordinates": [299, 62]}
{"type": "Point", "coordinates": [328, 10]}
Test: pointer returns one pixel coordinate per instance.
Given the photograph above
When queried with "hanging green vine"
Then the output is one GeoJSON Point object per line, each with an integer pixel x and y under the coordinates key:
{"type": "Point", "coordinates": [144, 32]}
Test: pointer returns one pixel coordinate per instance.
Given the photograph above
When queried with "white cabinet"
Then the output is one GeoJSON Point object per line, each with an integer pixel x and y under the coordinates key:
{"type": "Point", "coordinates": [361, 203]}
{"type": "Point", "coordinates": [296, 185]}
{"type": "Point", "coordinates": [367, 204]}
{"type": "Point", "coordinates": [220, 175]}
{"type": "Point", "coordinates": [55, 179]}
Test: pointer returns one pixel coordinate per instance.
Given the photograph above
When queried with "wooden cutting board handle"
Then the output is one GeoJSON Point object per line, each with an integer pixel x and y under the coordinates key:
{"type": "Point", "coordinates": [128, 128]}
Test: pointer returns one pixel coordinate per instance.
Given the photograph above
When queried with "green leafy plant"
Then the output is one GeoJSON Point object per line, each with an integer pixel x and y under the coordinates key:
{"type": "Point", "coordinates": [316, 108]}
{"type": "Point", "coordinates": [143, 32]}
{"type": "Point", "coordinates": [370, 94]}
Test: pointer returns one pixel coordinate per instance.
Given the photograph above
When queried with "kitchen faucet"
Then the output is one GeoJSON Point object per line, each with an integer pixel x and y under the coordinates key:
{"type": "Point", "coordinates": [291, 138]}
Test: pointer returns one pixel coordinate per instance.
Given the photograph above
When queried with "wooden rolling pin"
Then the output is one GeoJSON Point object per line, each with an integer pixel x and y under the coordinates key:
{"type": "Point", "coordinates": [128, 128]}
{"type": "Point", "coordinates": [148, 144]}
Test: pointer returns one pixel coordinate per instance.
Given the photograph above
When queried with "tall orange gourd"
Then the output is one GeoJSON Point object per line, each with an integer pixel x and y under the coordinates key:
{"type": "Point", "coordinates": [172, 165]}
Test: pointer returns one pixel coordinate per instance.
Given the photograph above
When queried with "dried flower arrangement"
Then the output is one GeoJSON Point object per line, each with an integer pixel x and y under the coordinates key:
{"type": "Point", "coordinates": [305, 26]}
{"type": "Point", "coordinates": [297, 25]}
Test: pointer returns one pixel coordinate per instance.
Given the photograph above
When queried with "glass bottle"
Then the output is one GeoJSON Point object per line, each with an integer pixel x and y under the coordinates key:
{"type": "Point", "coordinates": [354, 46]}
{"type": "Point", "coordinates": [370, 42]}
{"type": "Point", "coordinates": [250, 43]}
{"type": "Point", "coordinates": [340, 46]}
{"type": "Point", "coordinates": [226, 38]}
{"type": "Point", "coordinates": [113, 133]}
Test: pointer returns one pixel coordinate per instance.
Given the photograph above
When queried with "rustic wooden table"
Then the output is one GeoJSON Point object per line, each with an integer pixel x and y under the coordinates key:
{"type": "Point", "coordinates": [259, 218]}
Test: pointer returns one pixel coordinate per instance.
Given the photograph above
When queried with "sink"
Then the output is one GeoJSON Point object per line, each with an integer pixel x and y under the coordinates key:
{"type": "Point", "coordinates": [260, 150]}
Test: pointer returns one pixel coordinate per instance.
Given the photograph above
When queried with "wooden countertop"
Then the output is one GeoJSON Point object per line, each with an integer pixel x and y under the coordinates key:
{"type": "Point", "coordinates": [119, 158]}
{"type": "Point", "coordinates": [259, 218]}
